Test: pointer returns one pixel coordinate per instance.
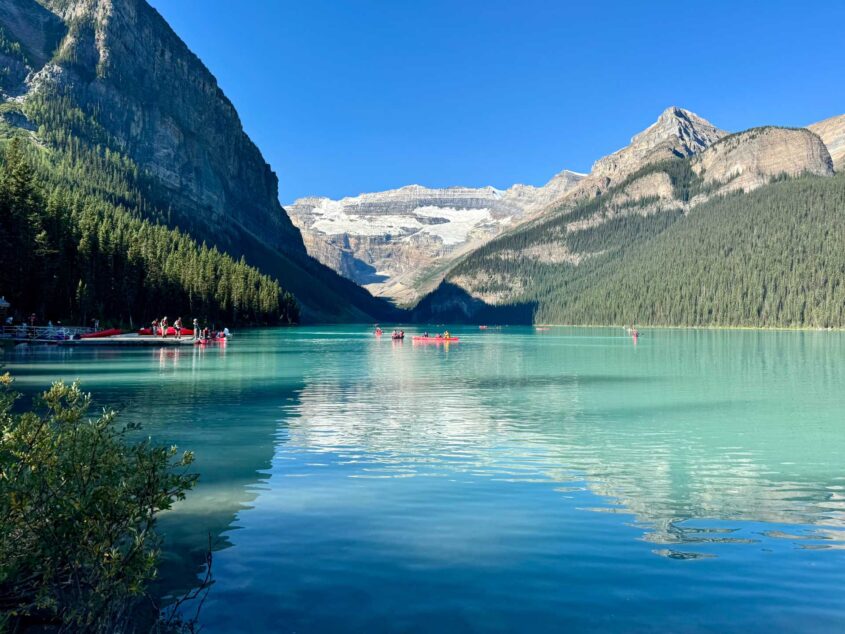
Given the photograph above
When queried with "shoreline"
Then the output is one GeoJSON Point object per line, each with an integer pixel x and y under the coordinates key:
{"type": "Point", "coordinates": [407, 325]}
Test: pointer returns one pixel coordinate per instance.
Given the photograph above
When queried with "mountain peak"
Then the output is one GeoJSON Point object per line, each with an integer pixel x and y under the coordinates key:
{"type": "Point", "coordinates": [676, 133]}
{"type": "Point", "coordinates": [683, 131]}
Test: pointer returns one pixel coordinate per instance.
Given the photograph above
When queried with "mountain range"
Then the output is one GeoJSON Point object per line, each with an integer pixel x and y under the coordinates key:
{"type": "Point", "coordinates": [523, 264]}
{"type": "Point", "coordinates": [744, 231]}
{"type": "Point", "coordinates": [142, 155]}
{"type": "Point", "coordinates": [395, 242]}
{"type": "Point", "coordinates": [403, 243]}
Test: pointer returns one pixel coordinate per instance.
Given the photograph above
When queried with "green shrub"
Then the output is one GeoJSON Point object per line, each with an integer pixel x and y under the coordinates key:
{"type": "Point", "coordinates": [78, 508]}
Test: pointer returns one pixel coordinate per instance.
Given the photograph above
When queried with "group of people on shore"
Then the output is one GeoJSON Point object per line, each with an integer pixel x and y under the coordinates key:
{"type": "Point", "coordinates": [161, 328]}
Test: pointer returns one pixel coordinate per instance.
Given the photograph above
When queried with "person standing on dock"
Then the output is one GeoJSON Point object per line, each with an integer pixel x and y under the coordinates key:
{"type": "Point", "coordinates": [177, 327]}
{"type": "Point", "coordinates": [196, 329]}
{"type": "Point", "coordinates": [154, 328]}
{"type": "Point", "coordinates": [164, 326]}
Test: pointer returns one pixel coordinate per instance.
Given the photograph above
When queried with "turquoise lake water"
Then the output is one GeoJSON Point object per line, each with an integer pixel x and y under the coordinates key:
{"type": "Point", "coordinates": [520, 480]}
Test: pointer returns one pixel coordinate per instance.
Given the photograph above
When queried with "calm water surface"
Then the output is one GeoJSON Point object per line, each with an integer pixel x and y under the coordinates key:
{"type": "Point", "coordinates": [516, 481]}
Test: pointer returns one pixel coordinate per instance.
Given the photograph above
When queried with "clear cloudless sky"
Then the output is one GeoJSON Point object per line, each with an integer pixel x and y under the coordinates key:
{"type": "Point", "coordinates": [351, 96]}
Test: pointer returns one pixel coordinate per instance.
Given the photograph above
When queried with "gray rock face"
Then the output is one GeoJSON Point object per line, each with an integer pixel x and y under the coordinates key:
{"type": "Point", "coordinates": [832, 132]}
{"type": "Point", "coordinates": [40, 32]}
{"type": "Point", "coordinates": [749, 159]}
{"type": "Point", "coordinates": [394, 242]}
{"type": "Point", "coordinates": [677, 133]}
{"type": "Point", "coordinates": [158, 104]}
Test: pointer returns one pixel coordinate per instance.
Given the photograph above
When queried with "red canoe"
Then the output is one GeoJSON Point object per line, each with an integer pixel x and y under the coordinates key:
{"type": "Point", "coordinates": [205, 342]}
{"type": "Point", "coordinates": [436, 339]}
{"type": "Point", "coordinates": [186, 332]}
{"type": "Point", "coordinates": [101, 333]}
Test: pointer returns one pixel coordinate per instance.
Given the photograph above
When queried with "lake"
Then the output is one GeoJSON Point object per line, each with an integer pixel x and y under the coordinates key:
{"type": "Point", "coordinates": [519, 480]}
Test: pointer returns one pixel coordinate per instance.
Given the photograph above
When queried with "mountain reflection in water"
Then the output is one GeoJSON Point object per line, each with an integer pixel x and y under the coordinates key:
{"type": "Point", "coordinates": [566, 477]}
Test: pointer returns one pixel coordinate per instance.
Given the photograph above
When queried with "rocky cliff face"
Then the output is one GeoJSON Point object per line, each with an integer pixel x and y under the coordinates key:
{"type": "Point", "coordinates": [677, 133]}
{"type": "Point", "coordinates": [749, 159]}
{"type": "Point", "coordinates": [119, 61]}
{"type": "Point", "coordinates": [394, 242]}
{"type": "Point", "coordinates": [832, 132]}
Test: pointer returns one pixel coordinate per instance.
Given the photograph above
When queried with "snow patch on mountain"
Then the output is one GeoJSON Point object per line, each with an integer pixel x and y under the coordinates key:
{"type": "Point", "coordinates": [459, 223]}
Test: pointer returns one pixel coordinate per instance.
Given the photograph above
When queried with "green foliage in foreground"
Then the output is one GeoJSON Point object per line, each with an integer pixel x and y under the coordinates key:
{"type": "Point", "coordinates": [78, 506]}
{"type": "Point", "coordinates": [68, 254]}
{"type": "Point", "coordinates": [774, 257]}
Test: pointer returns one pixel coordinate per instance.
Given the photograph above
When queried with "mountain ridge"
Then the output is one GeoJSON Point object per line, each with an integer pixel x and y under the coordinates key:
{"type": "Point", "coordinates": [549, 263]}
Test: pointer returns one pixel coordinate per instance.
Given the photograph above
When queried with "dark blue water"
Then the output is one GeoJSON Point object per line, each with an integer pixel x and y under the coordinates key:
{"type": "Point", "coordinates": [564, 480]}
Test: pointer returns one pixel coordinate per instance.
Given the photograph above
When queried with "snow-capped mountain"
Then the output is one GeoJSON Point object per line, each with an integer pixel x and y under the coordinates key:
{"type": "Point", "coordinates": [395, 242]}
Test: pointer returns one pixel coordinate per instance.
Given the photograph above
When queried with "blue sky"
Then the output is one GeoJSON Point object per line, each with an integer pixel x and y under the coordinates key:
{"type": "Point", "coordinates": [345, 97]}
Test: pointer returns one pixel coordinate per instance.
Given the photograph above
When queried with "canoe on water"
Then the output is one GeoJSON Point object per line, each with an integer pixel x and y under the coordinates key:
{"type": "Point", "coordinates": [437, 339]}
{"type": "Point", "coordinates": [205, 342]}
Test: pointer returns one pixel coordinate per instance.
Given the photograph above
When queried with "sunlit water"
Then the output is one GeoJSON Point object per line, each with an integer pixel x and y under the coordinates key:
{"type": "Point", "coordinates": [516, 481]}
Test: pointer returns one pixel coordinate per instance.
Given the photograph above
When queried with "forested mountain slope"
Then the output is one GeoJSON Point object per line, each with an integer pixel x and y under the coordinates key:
{"type": "Point", "coordinates": [773, 257]}
{"type": "Point", "coordinates": [68, 254]}
{"type": "Point", "coordinates": [110, 89]}
{"type": "Point", "coordinates": [749, 232]}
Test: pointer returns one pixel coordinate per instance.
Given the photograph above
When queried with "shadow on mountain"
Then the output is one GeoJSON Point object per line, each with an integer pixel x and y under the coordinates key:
{"type": "Point", "coordinates": [362, 272]}
{"type": "Point", "coordinates": [449, 303]}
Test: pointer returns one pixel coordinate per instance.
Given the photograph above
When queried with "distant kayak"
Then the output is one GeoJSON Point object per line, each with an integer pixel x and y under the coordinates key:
{"type": "Point", "coordinates": [397, 337]}
{"type": "Point", "coordinates": [436, 339]}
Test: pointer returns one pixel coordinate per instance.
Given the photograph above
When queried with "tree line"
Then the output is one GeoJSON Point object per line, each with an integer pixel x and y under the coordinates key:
{"type": "Point", "coordinates": [67, 253]}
